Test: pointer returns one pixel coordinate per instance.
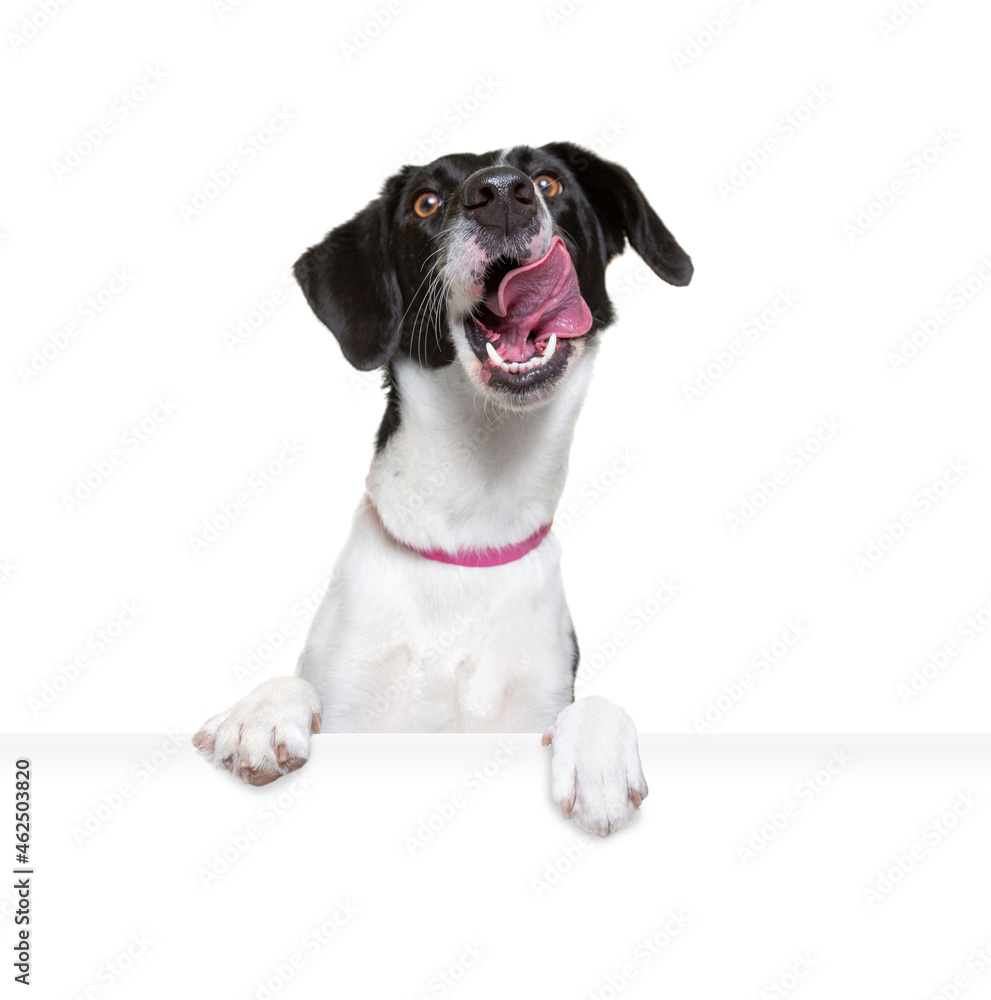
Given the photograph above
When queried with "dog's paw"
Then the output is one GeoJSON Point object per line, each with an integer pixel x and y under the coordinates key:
{"type": "Point", "coordinates": [596, 777]}
{"type": "Point", "coordinates": [266, 734]}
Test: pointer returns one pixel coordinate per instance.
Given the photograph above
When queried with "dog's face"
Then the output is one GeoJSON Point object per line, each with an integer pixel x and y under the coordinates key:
{"type": "Point", "coordinates": [495, 262]}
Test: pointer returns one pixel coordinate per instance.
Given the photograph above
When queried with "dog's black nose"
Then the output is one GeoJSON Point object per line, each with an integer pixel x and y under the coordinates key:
{"type": "Point", "coordinates": [501, 197]}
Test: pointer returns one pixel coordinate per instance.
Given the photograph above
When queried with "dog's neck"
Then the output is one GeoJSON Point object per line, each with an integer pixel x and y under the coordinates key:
{"type": "Point", "coordinates": [460, 472]}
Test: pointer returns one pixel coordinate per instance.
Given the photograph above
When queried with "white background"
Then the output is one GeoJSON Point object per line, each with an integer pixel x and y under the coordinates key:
{"type": "Point", "coordinates": [607, 76]}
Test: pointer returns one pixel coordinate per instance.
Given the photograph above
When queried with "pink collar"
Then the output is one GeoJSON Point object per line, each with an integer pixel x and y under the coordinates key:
{"type": "Point", "coordinates": [486, 557]}
{"type": "Point", "coordinates": [479, 557]}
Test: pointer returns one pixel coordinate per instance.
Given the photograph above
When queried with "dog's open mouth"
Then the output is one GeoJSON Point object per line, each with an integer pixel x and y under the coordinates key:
{"type": "Point", "coordinates": [521, 328]}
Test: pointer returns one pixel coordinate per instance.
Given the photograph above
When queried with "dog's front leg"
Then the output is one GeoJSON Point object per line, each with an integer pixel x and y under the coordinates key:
{"type": "Point", "coordinates": [596, 777]}
{"type": "Point", "coordinates": [266, 734]}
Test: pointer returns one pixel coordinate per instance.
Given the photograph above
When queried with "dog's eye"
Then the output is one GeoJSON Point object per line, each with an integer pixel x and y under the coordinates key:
{"type": "Point", "coordinates": [426, 204]}
{"type": "Point", "coordinates": [548, 186]}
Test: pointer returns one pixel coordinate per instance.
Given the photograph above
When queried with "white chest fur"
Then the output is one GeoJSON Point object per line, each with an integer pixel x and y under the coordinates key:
{"type": "Point", "coordinates": [402, 643]}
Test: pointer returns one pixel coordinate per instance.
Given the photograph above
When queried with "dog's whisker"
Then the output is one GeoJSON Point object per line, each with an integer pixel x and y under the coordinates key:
{"type": "Point", "coordinates": [430, 256]}
{"type": "Point", "coordinates": [410, 306]}
{"type": "Point", "coordinates": [438, 314]}
{"type": "Point", "coordinates": [425, 298]}
{"type": "Point", "coordinates": [425, 310]}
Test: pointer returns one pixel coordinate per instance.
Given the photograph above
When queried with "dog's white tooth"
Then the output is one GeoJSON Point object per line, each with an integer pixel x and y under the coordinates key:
{"type": "Point", "coordinates": [514, 367]}
{"type": "Point", "coordinates": [493, 354]}
{"type": "Point", "coordinates": [504, 366]}
{"type": "Point", "coordinates": [551, 344]}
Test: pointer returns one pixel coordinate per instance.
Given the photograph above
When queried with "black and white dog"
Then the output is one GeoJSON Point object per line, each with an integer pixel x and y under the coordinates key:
{"type": "Point", "coordinates": [478, 282]}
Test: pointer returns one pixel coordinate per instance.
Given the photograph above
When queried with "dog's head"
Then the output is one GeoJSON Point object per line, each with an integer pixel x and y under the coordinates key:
{"type": "Point", "coordinates": [495, 262]}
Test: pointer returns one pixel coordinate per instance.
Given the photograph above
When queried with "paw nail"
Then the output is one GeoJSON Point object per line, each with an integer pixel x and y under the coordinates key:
{"type": "Point", "coordinates": [282, 754]}
{"type": "Point", "coordinates": [548, 736]}
{"type": "Point", "coordinates": [635, 795]}
{"type": "Point", "coordinates": [263, 779]}
{"type": "Point", "coordinates": [566, 810]}
{"type": "Point", "coordinates": [204, 741]}
{"type": "Point", "coordinates": [316, 721]}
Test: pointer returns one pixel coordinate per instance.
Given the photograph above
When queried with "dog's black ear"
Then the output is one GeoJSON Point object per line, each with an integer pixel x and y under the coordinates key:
{"type": "Point", "coordinates": [351, 284]}
{"type": "Point", "coordinates": [624, 213]}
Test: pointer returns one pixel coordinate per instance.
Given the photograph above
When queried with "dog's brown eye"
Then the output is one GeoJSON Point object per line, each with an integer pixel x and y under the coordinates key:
{"type": "Point", "coordinates": [548, 186]}
{"type": "Point", "coordinates": [426, 204]}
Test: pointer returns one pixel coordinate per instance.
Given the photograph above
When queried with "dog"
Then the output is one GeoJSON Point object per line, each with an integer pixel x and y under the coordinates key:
{"type": "Point", "coordinates": [477, 283]}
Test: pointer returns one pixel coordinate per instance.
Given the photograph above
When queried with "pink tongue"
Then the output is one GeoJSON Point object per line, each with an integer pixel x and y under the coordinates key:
{"type": "Point", "coordinates": [540, 298]}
